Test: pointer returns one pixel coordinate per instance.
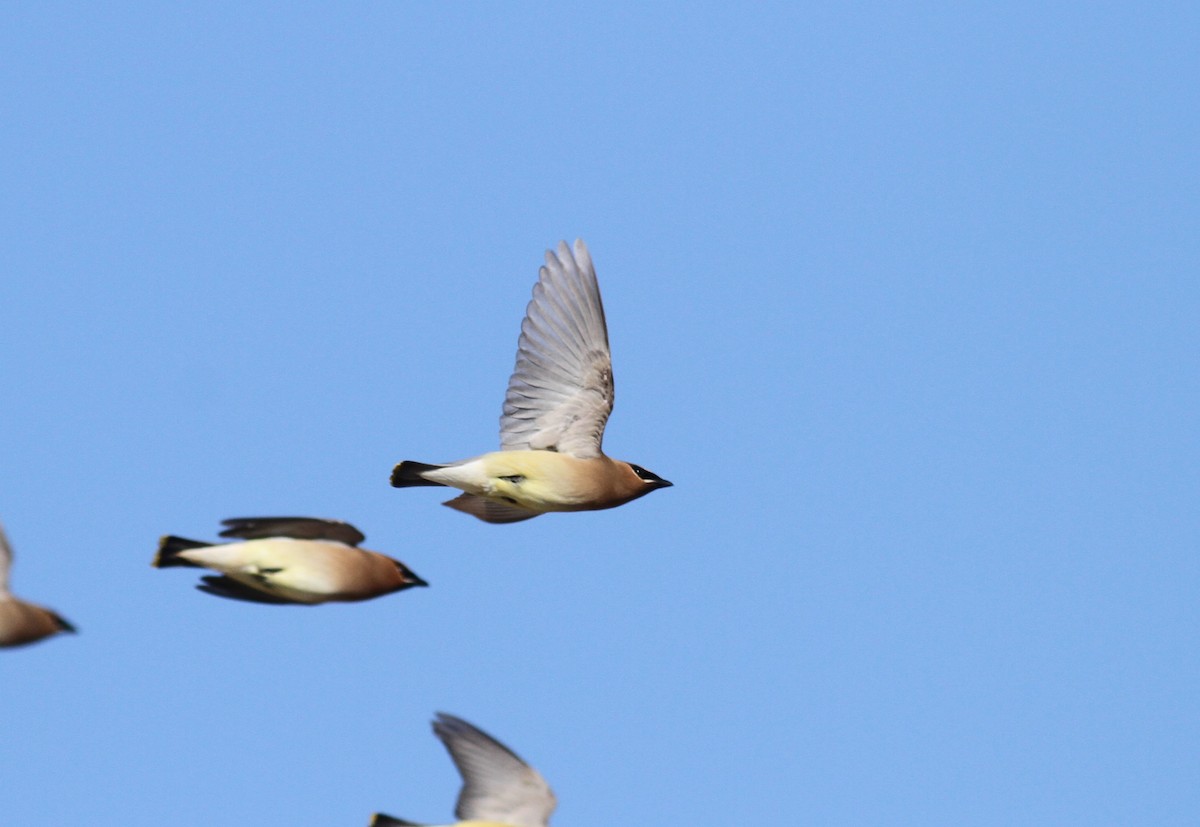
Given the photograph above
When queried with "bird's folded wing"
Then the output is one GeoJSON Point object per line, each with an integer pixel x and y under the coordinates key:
{"type": "Point", "coordinates": [497, 785]}
{"type": "Point", "coordinates": [299, 528]}
{"type": "Point", "coordinates": [490, 511]}
{"type": "Point", "coordinates": [222, 586]}
{"type": "Point", "coordinates": [561, 390]}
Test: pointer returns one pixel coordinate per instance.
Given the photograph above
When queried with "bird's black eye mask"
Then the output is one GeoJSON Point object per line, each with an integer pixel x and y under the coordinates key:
{"type": "Point", "coordinates": [644, 475]}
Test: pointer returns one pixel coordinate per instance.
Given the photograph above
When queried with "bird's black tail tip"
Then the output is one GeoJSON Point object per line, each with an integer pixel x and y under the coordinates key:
{"type": "Point", "coordinates": [408, 474]}
{"type": "Point", "coordinates": [384, 820]}
{"type": "Point", "coordinates": [169, 547]}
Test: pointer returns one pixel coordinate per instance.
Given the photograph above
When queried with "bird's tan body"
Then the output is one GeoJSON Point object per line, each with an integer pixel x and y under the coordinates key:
{"type": "Point", "coordinates": [544, 480]}
{"type": "Point", "coordinates": [22, 622]}
{"type": "Point", "coordinates": [303, 571]}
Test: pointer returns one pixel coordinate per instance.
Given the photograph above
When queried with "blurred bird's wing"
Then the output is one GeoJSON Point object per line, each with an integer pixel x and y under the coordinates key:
{"type": "Point", "coordinates": [561, 390]}
{"type": "Point", "coordinates": [488, 510]}
{"type": "Point", "coordinates": [5, 560]}
{"type": "Point", "coordinates": [223, 586]}
{"type": "Point", "coordinates": [497, 785]}
{"type": "Point", "coordinates": [299, 528]}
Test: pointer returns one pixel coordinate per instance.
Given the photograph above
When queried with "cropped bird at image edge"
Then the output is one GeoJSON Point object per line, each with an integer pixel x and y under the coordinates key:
{"type": "Point", "coordinates": [22, 622]}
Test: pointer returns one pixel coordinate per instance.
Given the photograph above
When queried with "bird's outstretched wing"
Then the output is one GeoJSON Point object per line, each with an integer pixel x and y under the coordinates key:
{"type": "Point", "coordinates": [497, 785]}
{"type": "Point", "coordinates": [561, 390]}
{"type": "Point", "coordinates": [299, 528]}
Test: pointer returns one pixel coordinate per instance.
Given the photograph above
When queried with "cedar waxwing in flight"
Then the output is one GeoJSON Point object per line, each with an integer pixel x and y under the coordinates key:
{"type": "Point", "coordinates": [559, 397]}
{"type": "Point", "coordinates": [499, 789]}
{"type": "Point", "coordinates": [21, 622]}
{"type": "Point", "coordinates": [289, 560]}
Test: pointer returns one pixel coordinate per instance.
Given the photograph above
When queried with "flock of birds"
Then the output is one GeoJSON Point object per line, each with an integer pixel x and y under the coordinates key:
{"type": "Point", "coordinates": [550, 459]}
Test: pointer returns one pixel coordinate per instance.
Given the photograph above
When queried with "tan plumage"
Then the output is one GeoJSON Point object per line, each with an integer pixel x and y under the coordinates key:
{"type": "Point", "coordinates": [22, 622]}
{"type": "Point", "coordinates": [289, 560]}
{"type": "Point", "coordinates": [558, 401]}
{"type": "Point", "coordinates": [499, 789]}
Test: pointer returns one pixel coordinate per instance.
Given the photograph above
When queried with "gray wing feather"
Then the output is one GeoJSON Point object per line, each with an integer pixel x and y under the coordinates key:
{"type": "Point", "coordinates": [299, 528]}
{"type": "Point", "coordinates": [561, 390]}
{"type": "Point", "coordinates": [497, 785]}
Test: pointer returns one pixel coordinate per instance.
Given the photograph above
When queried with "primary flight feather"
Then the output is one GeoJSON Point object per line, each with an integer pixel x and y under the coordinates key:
{"type": "Point", "coordinates": [559, 398]}
{"type": "Point", "coordinates": [499, 789]}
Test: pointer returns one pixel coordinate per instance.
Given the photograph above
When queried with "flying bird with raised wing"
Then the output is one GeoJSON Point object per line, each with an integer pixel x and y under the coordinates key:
{"type": "Point", "coordinates": [499, 789]}
{"type": "Point", "coordinates": [559, 398]}
{"type": "Point", "coordinates": [298, 560]}
{"type": "Point", "coordinates": [22, 622]}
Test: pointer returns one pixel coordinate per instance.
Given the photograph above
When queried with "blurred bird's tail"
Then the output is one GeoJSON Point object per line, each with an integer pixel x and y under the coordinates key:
{"type": "Point", "coordinates": [169, 548]}
{"type": "Point", "coordinates": [381, 820]}
{"type": "Point", "coordinates": [408, 475]}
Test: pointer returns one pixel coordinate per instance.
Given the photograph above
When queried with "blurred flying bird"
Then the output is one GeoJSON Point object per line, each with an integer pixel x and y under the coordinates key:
{"type": "Point", "coordinates": [559, 397]}
{"type": "Point", "coordinates": [289, 560]}
{"type": "Point", "coordinates": [499, 789]}
{"type": "Point", "coordinates": [21, 622]}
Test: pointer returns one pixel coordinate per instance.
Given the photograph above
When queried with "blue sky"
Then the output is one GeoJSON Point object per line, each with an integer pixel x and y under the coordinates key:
{"type": "Point", "coordinates": [903, 300]}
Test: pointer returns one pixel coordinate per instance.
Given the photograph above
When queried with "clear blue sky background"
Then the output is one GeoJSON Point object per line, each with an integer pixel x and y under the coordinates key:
{"type": "Point", "coordinates": [904, 301]}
